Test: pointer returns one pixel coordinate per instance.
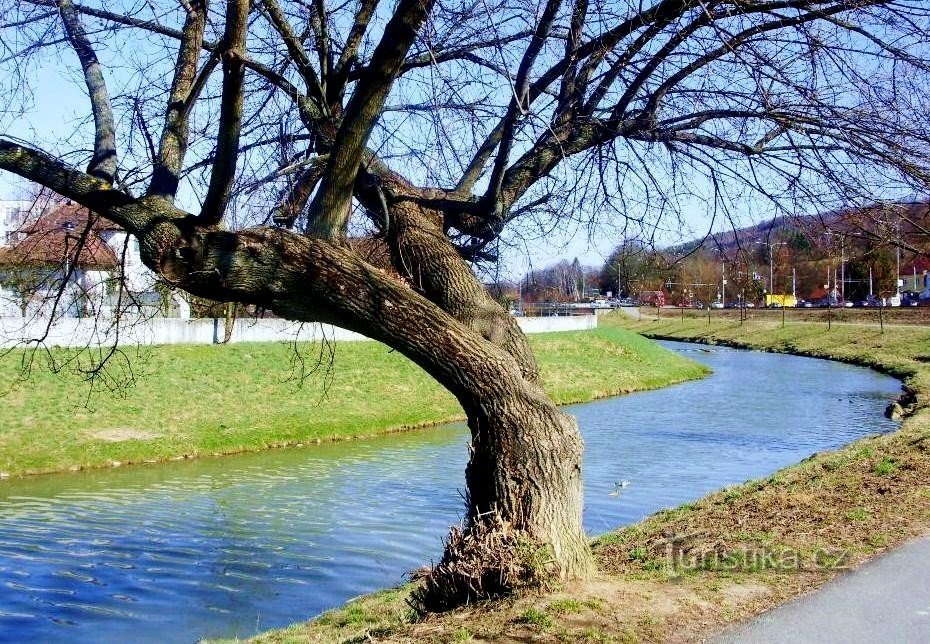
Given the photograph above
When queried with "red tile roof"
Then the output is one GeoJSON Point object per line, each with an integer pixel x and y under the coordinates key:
{"type": "Point", "coordinates": [47, 238]}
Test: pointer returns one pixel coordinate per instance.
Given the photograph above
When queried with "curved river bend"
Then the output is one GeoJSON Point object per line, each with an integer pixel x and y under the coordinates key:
{"type": "Point", "coordinates": [231, 546]}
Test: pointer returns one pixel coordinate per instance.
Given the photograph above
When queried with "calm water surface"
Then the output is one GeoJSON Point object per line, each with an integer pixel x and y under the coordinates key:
{"type": "Point", "coordinates": [227, 547]}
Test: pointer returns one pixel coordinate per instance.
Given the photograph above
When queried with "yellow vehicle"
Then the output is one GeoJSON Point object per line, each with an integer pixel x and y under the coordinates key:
{"type": "Point", "coordinates": [776, 301]}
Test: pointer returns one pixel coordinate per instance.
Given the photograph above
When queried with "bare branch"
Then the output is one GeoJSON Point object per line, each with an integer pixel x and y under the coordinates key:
{"type": "Point", "coordinates": [103, 163]}
{"type": "Point", "coordinates": [329, 211]}
{"type": "Point", "coordinates": [227, 146]}
{"type": "Point", "coordinates": [519, 103]}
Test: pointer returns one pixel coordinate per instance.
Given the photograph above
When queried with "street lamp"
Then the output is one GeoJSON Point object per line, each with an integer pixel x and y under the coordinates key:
{"type": "Point", "coordinates": [723, 277]}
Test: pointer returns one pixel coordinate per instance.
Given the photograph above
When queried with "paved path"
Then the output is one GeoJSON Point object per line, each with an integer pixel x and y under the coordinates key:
{"type": "Point", "coordinates": [885, 600]}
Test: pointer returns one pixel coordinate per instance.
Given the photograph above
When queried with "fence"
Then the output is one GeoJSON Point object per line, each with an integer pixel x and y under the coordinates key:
{"type": "Point", "coordinates": [874, 316]}
{"type": "Point", "coordinates": [81, 332]}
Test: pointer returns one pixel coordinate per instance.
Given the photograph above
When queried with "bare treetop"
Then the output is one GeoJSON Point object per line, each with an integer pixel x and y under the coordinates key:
{"type": "Point", "coordinates": [492, 109]}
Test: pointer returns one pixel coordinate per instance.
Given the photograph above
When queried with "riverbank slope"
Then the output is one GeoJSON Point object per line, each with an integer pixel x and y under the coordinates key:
{"type": "Point", "coordinates": [685, 573]}
{"type": "Point", "coordinates": [183, 401]}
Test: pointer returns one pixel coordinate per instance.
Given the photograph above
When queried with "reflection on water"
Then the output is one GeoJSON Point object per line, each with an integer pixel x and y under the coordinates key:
{"type": "Point", "coordinates": [225, 547]}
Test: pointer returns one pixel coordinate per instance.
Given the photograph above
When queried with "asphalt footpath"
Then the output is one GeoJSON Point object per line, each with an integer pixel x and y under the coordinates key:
{"type": "Point", "coordinates": [884, 600]}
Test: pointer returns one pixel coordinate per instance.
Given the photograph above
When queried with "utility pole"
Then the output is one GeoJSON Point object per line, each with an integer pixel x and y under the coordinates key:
{"type": "Point", "coordinates": [723, 283]}
{"type": "Point", "coordinates": [771, 272]}
{"type": "Point", "coordinates": [794, 283]}
{"type": "Point", "coordinates": [771, 246]}
{"type": "Point", "coordinates": [870, 281]}
{"type": "Point", "coordinates": [897, 247]}
{"type": "Point", "coordinates": [843, 268]}
{"type": "Point", "coordinates": [618, 279]}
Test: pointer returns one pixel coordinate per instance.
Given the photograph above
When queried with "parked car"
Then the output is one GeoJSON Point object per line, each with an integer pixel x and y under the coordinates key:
{"type": "Point", "coordinates": [716, 305]}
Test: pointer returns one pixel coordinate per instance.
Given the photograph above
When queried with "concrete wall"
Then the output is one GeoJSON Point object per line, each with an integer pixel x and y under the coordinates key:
{"type": "Point", "coordinates": [80, 332]}
{"type": "Point", "coordinates": [557, 323]}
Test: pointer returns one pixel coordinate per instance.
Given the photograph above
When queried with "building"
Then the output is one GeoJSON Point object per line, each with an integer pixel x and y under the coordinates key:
{"type": "Point", "coordinates": [916, 275]}
{"type": "Point", "coordinates": [13, 215]}
{"type": "Point", "coordinates": [62, 259]}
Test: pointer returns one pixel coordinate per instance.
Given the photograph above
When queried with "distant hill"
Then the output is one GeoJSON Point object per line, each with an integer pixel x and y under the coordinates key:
{"type": "Point", "coordinates": [879, 224]}
{"type": "Point", "coordinates": [854, 253]}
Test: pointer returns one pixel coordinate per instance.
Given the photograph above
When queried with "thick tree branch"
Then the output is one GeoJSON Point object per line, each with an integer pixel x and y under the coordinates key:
{"type": "Point", "coordinates": [296, 51]}
{"type": "Point", "coordinates": [227, 144]}
{"type": "Point", "coordinates": [174, 139]}
{"type": "Point", "coordinates": [572, 85]}
{"type": "Point", "coordinates": [44, 169]}
{"type": "Point", "coordinates": [329, 211]}
{"type": "Point", "coordinates": [349, 55]}
{"type": "Point", "coordinates": [287, 212]}
{"type": "Point", "coordinates": [103, 163]}
{"type": "Point", "coordinates": [319, 22]}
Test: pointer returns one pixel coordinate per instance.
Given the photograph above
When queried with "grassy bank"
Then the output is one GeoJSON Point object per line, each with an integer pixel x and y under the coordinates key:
{"type": "Point", "coordinates": [193, 400]}
{"type": "Point", "coordinates": [687, 572]}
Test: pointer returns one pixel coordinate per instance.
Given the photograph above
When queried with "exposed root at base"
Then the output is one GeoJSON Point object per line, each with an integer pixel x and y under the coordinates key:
{"type": "Point", "coordinates": [487, 560]}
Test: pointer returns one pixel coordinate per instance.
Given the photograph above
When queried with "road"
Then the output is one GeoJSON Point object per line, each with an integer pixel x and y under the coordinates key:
{"type": "Point", "coordinates": [885, 600]}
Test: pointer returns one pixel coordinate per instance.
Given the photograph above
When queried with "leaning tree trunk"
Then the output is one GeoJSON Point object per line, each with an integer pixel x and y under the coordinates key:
{"type": "Point", "coordinates": [525, 466]}
{"type": "Point", "coordinates": [526, 454]}
{"type": "Point", "coordinates": [524, 474]}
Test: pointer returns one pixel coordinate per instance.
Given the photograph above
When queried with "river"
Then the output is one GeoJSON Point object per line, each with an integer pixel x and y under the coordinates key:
{"type": "Point", "coordinates": [234, 545]}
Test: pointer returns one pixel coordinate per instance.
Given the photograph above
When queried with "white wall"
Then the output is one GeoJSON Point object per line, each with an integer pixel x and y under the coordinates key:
{"type": "Point", "coordinates": [80, 332]}
{"type": "Point", "coordinates": [137, 276]}
{"type": "Point", "coordinates": [13, 213]}
{"type": "Point", "coordinates": [558, 323]}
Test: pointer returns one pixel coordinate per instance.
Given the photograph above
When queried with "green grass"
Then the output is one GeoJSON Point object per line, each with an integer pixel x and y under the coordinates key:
{"type": "Point", "coordinates": [859, 514]}
{"type": "Point", "coordinates": [197, 400]}
{"type": "Point", "coordinates": [535, 617]}
{"type": "Point", "coordinates": [897, 351]}
{"type": "Point", "coordinates": [885, 467]}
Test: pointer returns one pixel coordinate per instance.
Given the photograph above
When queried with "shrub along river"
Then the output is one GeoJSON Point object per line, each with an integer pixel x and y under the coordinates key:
{"type": "Point", "coordinates": [231, 546]}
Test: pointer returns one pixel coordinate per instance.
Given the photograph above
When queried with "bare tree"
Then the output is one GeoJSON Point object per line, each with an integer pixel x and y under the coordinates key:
{"type": "Point", "coordinates": [435, 127]}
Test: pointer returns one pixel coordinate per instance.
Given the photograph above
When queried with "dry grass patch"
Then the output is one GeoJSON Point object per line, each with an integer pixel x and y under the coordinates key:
{"type": "Point", "coordinates": [118, 434]}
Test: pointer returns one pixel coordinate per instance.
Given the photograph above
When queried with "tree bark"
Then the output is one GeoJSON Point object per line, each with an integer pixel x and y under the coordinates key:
{"type": "Point", "coordinates": [422, 254]}
{"type": "Point", "coordinates": [526, 458]}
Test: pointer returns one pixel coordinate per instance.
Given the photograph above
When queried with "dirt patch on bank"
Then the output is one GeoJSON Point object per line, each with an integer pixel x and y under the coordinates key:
{"type": "Point", "coordinates": [119, 434]}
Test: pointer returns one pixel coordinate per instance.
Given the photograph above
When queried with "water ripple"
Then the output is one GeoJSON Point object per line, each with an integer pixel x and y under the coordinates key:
{"type": "Point", "coordinates": [230, 546]}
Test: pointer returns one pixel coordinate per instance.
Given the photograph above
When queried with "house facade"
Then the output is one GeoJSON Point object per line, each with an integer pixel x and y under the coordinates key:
{"type": "Point", "coordinates": [62, 260]}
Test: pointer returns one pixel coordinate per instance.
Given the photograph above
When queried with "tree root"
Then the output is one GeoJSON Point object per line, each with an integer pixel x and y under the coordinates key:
{"type": "Point", "coordinates": [487, 560]}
